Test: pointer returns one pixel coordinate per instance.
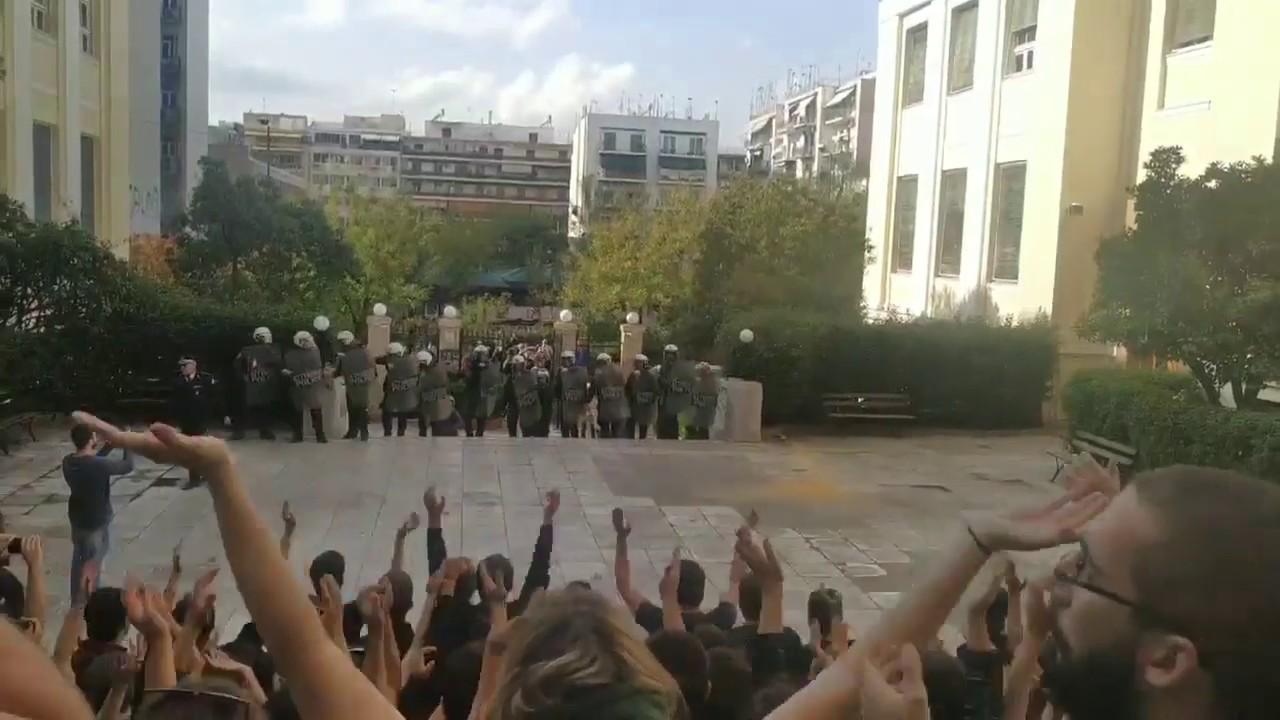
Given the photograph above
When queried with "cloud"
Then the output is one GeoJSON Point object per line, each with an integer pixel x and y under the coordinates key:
{"type": "Point", "coordinates": [321, 13]}
{"type": "Point", "coordinates": [519, 21]}
{"type": "Point", "coordinates": [261, 79]}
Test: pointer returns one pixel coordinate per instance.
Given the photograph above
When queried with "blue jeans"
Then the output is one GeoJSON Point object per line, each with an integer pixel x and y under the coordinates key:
{"type": "Point", "coordinates": [88, 546]}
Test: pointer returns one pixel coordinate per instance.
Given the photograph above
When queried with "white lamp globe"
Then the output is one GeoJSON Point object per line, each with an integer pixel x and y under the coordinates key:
{"type": "Point", "coordinates": [450, 312]}
{"type": "Point", "coordinates": [747, 336]}
{"type": "Point", "coordinates": [380, 310]}
{"type": "Point", "coordinates": [321, 323]}
{"type": "Point", "coordinates": [566, 315]}
{"type": "Point", "coordinates": [633, 318]}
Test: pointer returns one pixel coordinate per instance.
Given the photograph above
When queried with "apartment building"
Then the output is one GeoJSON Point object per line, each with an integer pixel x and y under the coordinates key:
{"type": "Point", "coordinates": [487, 168]}
{"type": "Point", "coordinates": [279, 147]}
{"type": "Point", "coordinates": [183, 58]}
{"type": "Point", "coordinates": [1009, 130]}
{"type": "Point", "coordinates": [361, 153]}
{"type": "Point", "coordinates": [639, 159]}
{"type": "Point", "coordinates": [821, 128]}
{"type": "Point", "coordinates": [80, 110]}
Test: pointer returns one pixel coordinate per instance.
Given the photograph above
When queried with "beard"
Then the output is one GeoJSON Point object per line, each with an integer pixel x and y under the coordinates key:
{"type": "Point", "coordinates": [1099, 684]}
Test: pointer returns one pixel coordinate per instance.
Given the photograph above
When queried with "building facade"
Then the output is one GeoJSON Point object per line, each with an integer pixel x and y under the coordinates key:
{"type": "Point", "coordinates": [1008, 132]}
{"type": "Point", "coordinates": [278, 148]}
{"type": "Point", "coordinates": [486, 168]}
{"type": "Point", "coordinates": [81, 111]}
{"type": "Point", "coordinates": [623, 160]}
{"type": "Point", "coordinates": [183, 57]}
{"type": "Point", "coordinates": [820, 129]}
{"type": "Point", "coordinates": [360, 153]}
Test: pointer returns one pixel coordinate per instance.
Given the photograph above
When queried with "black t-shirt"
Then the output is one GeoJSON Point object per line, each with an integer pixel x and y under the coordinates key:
{"type": "Point", "coordinates": [723, 616]}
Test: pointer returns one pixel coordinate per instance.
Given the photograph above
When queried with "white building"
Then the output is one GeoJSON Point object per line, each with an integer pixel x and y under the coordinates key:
{"type": "Point", "coordinates": [628, 159]}
{"type": "Point", "coordinates": [361, 153]}
{"type": "Point", "coordinates": [1008, 132]}
{"type": "Point", "coordinates": [821, 129]}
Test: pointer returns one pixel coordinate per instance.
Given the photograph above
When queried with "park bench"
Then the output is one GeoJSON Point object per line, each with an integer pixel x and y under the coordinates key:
{"type": "Point", "coordinates": [11, 417]}
{"type": "Point", "coordinates": [1106, 452]}
{"type": "Point", "coordinates": [868, 406]}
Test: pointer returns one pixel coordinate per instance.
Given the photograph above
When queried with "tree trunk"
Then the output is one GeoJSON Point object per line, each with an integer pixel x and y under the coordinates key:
{"type": "Point", "coordinates": [1211, 389]}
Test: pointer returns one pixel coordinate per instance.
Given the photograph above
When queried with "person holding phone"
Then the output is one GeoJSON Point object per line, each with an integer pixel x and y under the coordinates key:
{"type": "Point", "coordinates": [88, 472]}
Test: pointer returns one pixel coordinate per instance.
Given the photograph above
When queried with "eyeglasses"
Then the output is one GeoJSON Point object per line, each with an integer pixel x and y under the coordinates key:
{"type": "Point", "coordinates": [1067, 574]}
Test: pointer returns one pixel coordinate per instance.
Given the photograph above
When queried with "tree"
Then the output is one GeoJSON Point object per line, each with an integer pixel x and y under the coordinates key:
{"type": "Point", "coordinates": [392, 241]}
{"type": "Point", "coordinates": [1197, 278]}
{"type": "Point", "coordinates": [244, 241]}
{"type": "Point", "coordinates": [758, 243]}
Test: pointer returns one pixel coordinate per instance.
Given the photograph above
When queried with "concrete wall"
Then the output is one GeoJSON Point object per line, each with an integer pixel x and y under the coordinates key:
{"type": "Point", "coordinates": [196, 102]}
{"type": "Point", "coordinates": [143, 96]}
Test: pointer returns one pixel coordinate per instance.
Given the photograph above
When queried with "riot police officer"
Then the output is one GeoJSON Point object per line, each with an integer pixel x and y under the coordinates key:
{"type": "Point", "coordinates": [400, 389]}
{"type": "Point", "coordinates": [435, 406]}
{"type": "Point", "coordinates": [305, 371]}
{"type": "Point", "coordinates": [571, 393]}
{"type": "Point", "coordinates": [258, 366]}
{"type": "Point", "coordinates": [675, 392]}
{"type": "Point", "coordinates": [642, 396]}
{"type": "Point", "coordinates": [480, 375]}
{"type": "Point", "coordinates": [609, 387]}
{"type": "Point", "coordinates": [706, 398]}
{"type": "Point", "coordinates": [523, 404]}
{"type": "Point", "coordinates": [356, 367]}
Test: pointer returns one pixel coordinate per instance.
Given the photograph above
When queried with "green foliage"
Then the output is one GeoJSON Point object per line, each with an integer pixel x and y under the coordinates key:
{"type": "Point", "coordinates": [479, 314]}
{"type": "Point", "coordinates": [244, 241]}
{"type": "Point", "coordinates": [1197, 279]}
{"type": "Point", "coordinates": [757, 243]}
{"type": "Point", "coordinates": [957, 373]}
{"type": "Point", "coordinates": [78, 327]}
{"type": "Point", "coordinates": [1166, 418]}
{"type": "Point", "coordinates": [391, 241]}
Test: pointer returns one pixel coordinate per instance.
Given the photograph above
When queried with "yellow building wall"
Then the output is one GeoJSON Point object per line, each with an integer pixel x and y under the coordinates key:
{"type": "Point", "coordinates": [1219, 101]}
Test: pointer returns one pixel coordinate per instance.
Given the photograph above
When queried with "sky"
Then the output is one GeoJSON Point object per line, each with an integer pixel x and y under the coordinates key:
{"type": "Point", "coordinates": [525, 60]}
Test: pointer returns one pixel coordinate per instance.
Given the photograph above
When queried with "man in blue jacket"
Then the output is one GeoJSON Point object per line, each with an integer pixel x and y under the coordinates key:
{"type": "Point", "coordinates": [88, 472]}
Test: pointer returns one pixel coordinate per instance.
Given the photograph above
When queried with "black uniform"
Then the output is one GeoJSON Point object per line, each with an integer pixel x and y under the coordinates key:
{"type": "Point", "coordinates": [191, 403]}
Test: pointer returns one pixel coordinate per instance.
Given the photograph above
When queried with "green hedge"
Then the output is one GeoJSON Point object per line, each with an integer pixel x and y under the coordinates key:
{"type": "Point", "coordinates": [957, 373]}
{"type": "Point", "coordinates": [1166, 418]}
{"type": "Point", "coordinates": [78, 328]}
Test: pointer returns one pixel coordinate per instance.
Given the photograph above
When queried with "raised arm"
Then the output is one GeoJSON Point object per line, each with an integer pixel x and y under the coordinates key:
{"type": "Point", "coordinates": [325, 684]}
{"type": "Point", "coordinates": [410, 524]}
{"type": "Point", "coordinates": [37, 599]}
{"type": "Point", "coordinates": [123, 466]}
{"type": "Point", "coordinates": [437, 551]}
{"type": "Point", "coordinates": [495, 598]}
{"type": "Point", "coordinates": [539, 575]}
{"type": "Point", "coordinates": [1026, 656]}
{"type": "Point", "coordinates": [672, 617]}
{"type": "Point", "coordinates": [916, 619]}
{"type": "Point", "coordinates": [622, 563]}
{"type": "Point", "coordinates": [290, 527]}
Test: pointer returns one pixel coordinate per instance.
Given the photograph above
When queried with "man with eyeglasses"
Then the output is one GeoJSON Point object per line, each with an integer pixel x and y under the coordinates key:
{"type": "Point", "coordinates": [1165, 610]}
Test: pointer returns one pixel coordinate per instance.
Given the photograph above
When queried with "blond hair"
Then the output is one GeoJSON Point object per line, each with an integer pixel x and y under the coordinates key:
{"type": "Point", "coordinates": [572, 642]}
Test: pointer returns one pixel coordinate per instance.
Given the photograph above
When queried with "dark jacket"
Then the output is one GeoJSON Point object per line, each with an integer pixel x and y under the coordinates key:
{"type": "Point", "coordinates": [89, 477]}
{"type": "Point", "coordinates": [192, 400]}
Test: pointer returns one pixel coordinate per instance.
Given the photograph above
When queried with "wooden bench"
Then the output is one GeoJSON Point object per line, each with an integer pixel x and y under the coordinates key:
{"type": "Point", "coordinates": [874, 406]}
{"type": "Point", "coordinates": [1106, 452]}
{"type": "Point", "coordinates": [10, 419]}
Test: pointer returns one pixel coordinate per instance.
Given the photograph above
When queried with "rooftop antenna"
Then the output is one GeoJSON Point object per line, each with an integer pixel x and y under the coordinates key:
{"type": "Point", "coordinates": [688, 113]}
{"type": "Point", "coordinates": [438, 116]}
{"type": "Point", "coordinates": [393, 99]}
{"type": "Point", "coordinates": [717, 112]}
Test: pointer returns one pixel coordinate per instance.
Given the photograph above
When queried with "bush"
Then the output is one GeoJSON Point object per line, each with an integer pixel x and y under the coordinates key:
{"type": "Point", "coordinates": [79, 328]}
{"type": "Point", "coordinates": [1166, 418]}
{"type": "Point", "coordinates": [957, 373]}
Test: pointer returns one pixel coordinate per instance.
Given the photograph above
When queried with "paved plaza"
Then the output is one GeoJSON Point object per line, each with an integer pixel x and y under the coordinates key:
{"type": "Point", "coordinates": [858, 514]}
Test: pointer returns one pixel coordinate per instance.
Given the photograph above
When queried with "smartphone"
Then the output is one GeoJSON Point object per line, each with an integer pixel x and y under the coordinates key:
{"type": "Point", "coordinates": [15, 546]}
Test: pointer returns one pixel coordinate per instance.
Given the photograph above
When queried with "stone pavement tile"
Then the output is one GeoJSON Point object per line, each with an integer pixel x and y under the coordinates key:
{"type": "Point", "coordinates": [887, 555]}
{"type": "Point", "coordinates": [840, 551]}
{"type": "Point", "coordinates": [818, 571]}
{"type": "Point", "coordinates": [885, 599]}
{"type": "Point", "coordinates": [861, 570]}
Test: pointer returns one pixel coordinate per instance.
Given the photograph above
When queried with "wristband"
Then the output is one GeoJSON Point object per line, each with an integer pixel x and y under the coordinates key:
{"type": "Point", "coordinates": [982, 547]}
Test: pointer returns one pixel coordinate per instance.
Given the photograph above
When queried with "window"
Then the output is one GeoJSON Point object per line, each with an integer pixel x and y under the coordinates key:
{"type": "Point", "coordinates": [563, 154]}
{"type": "Point", "coordinates": [951, 222]}
{"type": "Point", "coordinates": [1192, 22]}
{"type": "Point", "coordinates": [904, 223]}
{"type": "Point", "coordinates": [168, 99]}
{"type": "Point", "coordinates": [669, 144]}
{"type": "Point", "coordinates": [88, 183]}
{"type": "Point", "coordinates": [611, 141]}
{"type": "Point", "coordinates": [637, 142]}
{"type": "Point", "coordinates": [533, 138]}
{"type": "Point", "coordinates": [697, 146]}
{"type": "Point", "coordinates": [964, 35]}
{"type": "Point", "coordinates": [497, 152]}
{"type": "Point", "coordinates": [168, 149]}
{"type": "Point", "coordinates": [446, 133]}
{"type": "Point", "coordinates": [484, 149]}
{"type": "Point", "coordinates": [86, 27]}
{"type": "Point", "coordinates": [169, 47]}
{"type": "Point", "coordinates": [42, 16]}
{"type": "Point", "coordinates": [917, 42]}
{"type": "Point", "coordinates": [1006, 244]}
{"type": "Point", "coordinates": [529, 153]}
{"type": "Point", "coordinates": [1021, 55]}
{"type": "Point", "coordinates": [42, 145]}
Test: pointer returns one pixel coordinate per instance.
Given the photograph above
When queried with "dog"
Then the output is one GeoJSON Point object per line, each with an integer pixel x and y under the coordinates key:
{"type": "Point", "coordinates": [589, 421]}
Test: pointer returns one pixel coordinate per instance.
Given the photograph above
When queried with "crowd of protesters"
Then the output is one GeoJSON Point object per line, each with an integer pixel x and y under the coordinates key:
{"type": "Point", "coordinates": [1163, 607]}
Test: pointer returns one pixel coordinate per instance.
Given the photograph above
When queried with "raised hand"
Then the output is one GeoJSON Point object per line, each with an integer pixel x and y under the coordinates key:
{"type": "Point", "coordinates": [433, 503]}
{"type": "Point", "coordinates": [553, 505]}
{"type": "Point", "coordinates": [492, 589]}
{"type": "Point", "coordinates": [620, 524]}
{"type": "Point", "coordinates": [670, 581]}
{"type": "Point", "coordinates": [737, 569]}
{"type": "Point", "coordinates": [753, 519]}
{"type": "Point", "coordinates": [1055, 524]}
{"type": "Point", "coordinates": [1084, 475]}
{"type": "Point", "coordinates": [202, 595]}
{"type": "Point", "coordinates": [163, 444]}
{"type": "Point", "coordinates": [288, 518]}
{"type": "Point", "coordinates": [411, 523]}
{"type": "Point", "coordinates": [764, 563]}
{"type": "Point", "coordinates": [33, 551]}
{"type": "Point", "coordinates": [893, 686]}
{"type": "Point", "coordinates": [175, 562]}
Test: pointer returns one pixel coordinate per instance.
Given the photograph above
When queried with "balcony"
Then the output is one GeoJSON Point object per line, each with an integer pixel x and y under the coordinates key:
{"type": "Point", "coordinates": [171, 13]}
{"type": "Point", "coordinates": [624, 167]}
{"type": "Point", "coordinates": [170, 116]}
{"type": "Point", "coordinates": [170, 70]}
